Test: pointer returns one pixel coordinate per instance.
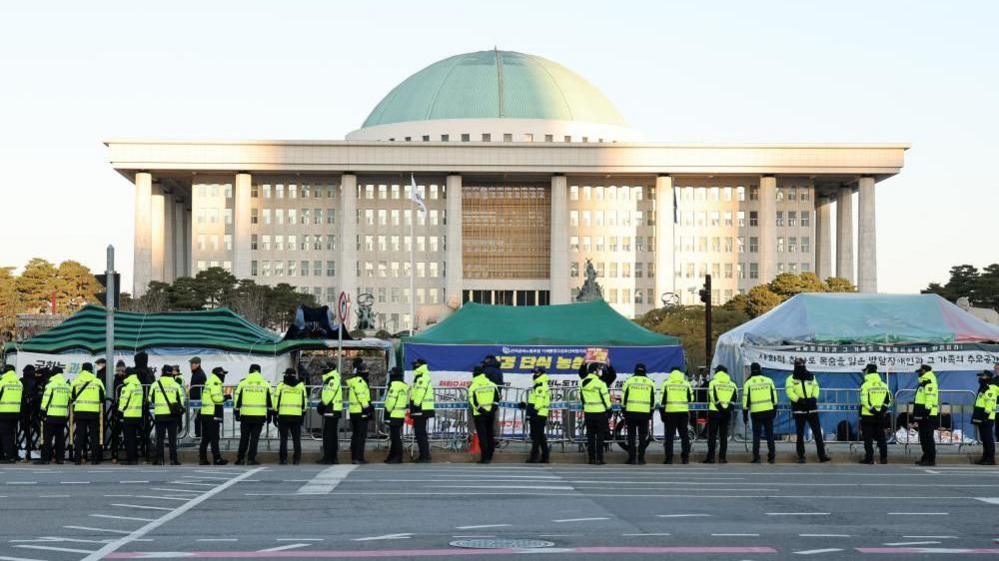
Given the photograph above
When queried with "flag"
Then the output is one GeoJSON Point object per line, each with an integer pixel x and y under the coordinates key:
{"type": "Point", "coordinates": [414, 195]}
{"type": "Point", "coordinates": [676, 208]}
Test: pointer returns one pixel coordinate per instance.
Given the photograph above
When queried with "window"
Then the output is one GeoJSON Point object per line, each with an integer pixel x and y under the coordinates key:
{"type": "Point", "coordinates": [279, 268]}
{"type": "Point", "coordinates": [330, 216]}
{"type": "Point", "coordinates": [292, 242]}
{"type": "Point", "coordinates": [266, 243]}
{"type": "Point", "coordinates": [253, 268]}
{"type": "Point", "coordinates": [728, 270]}
{"type": "Point", "coordinates": [279, 191]}
{"type": "Point", "coordinates": [254, 192]}
{"type": "Point", "coordinates": [754, 218]}
{"type": "Point", "coordinates": [486, 137]}
{"type": "Point", "coordinates": [806, 267]}
{"type": "Point", "coordinates": [792, 245]}
{"type": "Point", "coordinates": [714, 218]}
{"type": "Point", "coordinates": [740, 271]}
{"type": "Point", "coordinates": [806, 245]}
{"type": "Point", "coordinates": [754, 245]}
{"type": "Point", "coordinates": [740, 242]}
{"type": "Point", "coordinates": [267, 195]}
{"type": "Point", "coordinates": [228, 242]}
{"type": "Point", "coordinates": [228, 215]}
{"type": "Point", "coordinates": [780, 218]}
{"type": "Point", "coordinates": [792, 194]}
{"type": "Point", "coordinates": [291, 267]}
{"type": "Point", "coordinates": [740, 193]}
{"type": "Point", "coordinates": [639, 270]}
{"type": "Point", "coordinates": [574, 193]}
{"type": "Point", "coordinates": [279, 216]}
{"type": "Point", "coordinates": [754, 270]}
{"type": "Point", "coordinates": [267, 216]}
{"type": "Point", "coordinates": [728, 218]}
{"type": "Point", "coordinates": [507, 137]}
{"type": "Point", "coordinates": [253, 241]}
{"type": "Point", "coordinates": [201, 242]}
{"type": "Point", "coordinates": [445, 137]}
{"type": "Point", "coordinates": [780, 194]}
{"type": "Point", "coordinates": [754, 194]}
{"type": "Point", "coordinates": [279, 242]}
{"type": "Point", "coordinates": [292, 192]}
{"type": "Point", "coordinates": [741, 215]}
{"type": "Point", "coordinates": [331, 268]}
{"type": "Point", "coordinates": [266, 269]}
{"type": "Point", "coordinates": [549, 138]}
{"type": "Point", "coordinates": [792, 218]}
{"type": "Point", "coordinates": [317, 216]}
{"type": "Point", "coordinates": [780, 268]}
{"type": "Point", "coordinates": [465, 137]}
{"type": "Point", "coordinates": [806, 218]}
{"type": "Point", "coordinates": [728, 245]}
{"type": "Point", "coordinates": [780, 245]}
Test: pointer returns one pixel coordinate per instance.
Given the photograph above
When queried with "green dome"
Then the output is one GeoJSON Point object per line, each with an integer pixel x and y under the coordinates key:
{"type": "Point", "coordinates": [491, 85]}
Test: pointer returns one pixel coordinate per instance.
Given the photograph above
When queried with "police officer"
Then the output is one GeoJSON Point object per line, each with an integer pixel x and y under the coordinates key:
{"type": "Point", "coordinates": [115, 420]}
{"type": "Point", "coordinates": [198, 381]}
{"type": "Point", "coordinates": [290, 401]}
{"type": "Point", "coordinates": [131, 410]}
{"type": "Point", "coordinates": [252, 401]}
{"type": "Point", "coordinates": [167, 399]}
{"type": "Point", "coordinates": [330, 406]}
{"type": "Point", "coordinates": [875, 399]}
{"type": "Point", "coordinates": [638, 397]}
{"type": "Point", "coordinates": [596, 403]}
{"type": "Point", "coordinates": [483, 397]}
{"type": "Point", "coordinates": [721, 391]}
{"type": "Point", "coordinates": [421, 408]}
{"type": "Point", "coordinates": [55, 412]}
{"type": "Point", "coordinates": [11, 394]}
{"type": "Point", "coordinates": [676, 395]}
{"type": "Point", "coordinates": [803, 392]}
{"type": "Point", "coordinates": [31, 397]}
{"type": "Point", "coordinates": [359, 405]}
{"type": "Point", "coordinates": [396, 405]}
{"type": "Point", "coordinates": [984, 417]}
{"type": "Point", "coordinates": [536, 408]}
{"type": "Point", "coordinates": [86, 397]}
{"type": "Point", "coordinates": [759, 398]}
{"type": "Point", "coordinates": [211, 415]}
{"type": "Point", "coordinates": [926, 408]}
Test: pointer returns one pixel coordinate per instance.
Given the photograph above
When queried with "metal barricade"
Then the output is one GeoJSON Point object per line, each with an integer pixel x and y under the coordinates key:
{"type": "Point", "coordinates": [953, 424]}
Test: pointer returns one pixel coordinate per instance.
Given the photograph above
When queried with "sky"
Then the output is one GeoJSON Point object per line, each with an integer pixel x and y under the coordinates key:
{"type": "Point", "coordinates": [73, 74]}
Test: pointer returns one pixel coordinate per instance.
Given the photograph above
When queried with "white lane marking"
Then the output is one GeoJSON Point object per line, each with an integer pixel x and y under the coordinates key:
{"type": "Point", "coordinates": [477, 526]}
{"type": "Point", "coordinates": [156, 497]}
{"type": "Point", "coordinates": [134, 481]}
{"type": "Point", "coordinates": [736, 535]}
{"type": "Point", "coordinates": [545, 487]}
{"type": "Point", "coordinates": [284, 547]}
{"type": "Point", "coordinates": [216, 540]}
{"type": "Point", "coordinates": [917, 514]}
{"type": "Point", "coordinates": [22, 483]}
{"type": "Point", "coordinates": [931, 537]}
{"type": "Point", "coordinates": [145, 507]}
{"type": "Point", "coordinates": [797, 514]}
{"type": "Point", "coordinates": [54, 496]}
{"type": "Point", "coordinates": [192, 483]}
{"type": "Point", "coordinates": [653, 534]}
{"type": "Point", "coordinates": [932, 471]}
{"type": "Point", "coordinates": [152, 525]}
{"type": "Point", "coordinates": [74, 483]}
{"type": "Point", "coordinates": [990, 500]}
{"type": "Point", "coordinates": [325, 481]}
{"type": "Point", "coordinates": [468, 536]}
{"type": "Point", "coordinates": [300, 539]}
{"type": "Point", "coordinates": [912, 543]}
{"type": "Point", "coordinates": [682, 515]}
{"type": "Point", "coordinates": [122, 517]}
{"type": "Point", "coordinates": [560, 520]}
{"type": "Point", "coordinates": [824, 535]}
{"type": "Point", "coordinates": [52, 548]}
{"type": "Point", "coordinates": [385, 537]}
{"type": "Point", "coordinates": [295, 480]}
{"type": "Point", "coordinates": [2, 558]}
{"type": "Point", "coordinates": [816, 551]}
{"type": "Point", "coordinates": [61, 539]}
{"type": "Point", "coordinates": [92, 529]}
{"type": "Point", "coordinates": [168, 490]}
{"type": "Point", "coordinates": [204, 477]}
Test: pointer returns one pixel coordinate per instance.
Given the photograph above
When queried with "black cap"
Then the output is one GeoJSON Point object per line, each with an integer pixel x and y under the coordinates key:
{"type": "Point", "coordinates": [87, 366]}
{"type": "Point", "coordinates": [195, 360]}
{"type": "Point", "coordinates": [755, 368]}
{"type": "Point", "coordinates": [477, 370]}
{"type": "Point", "coordinates": [129, 370]}
{"type": "Point", "coordinates": [254, 368]}
{"type": "Point", "coordinates": [57, 370]}
{"type": "Point", "coordinates": [120, 364]}
{"type": "Point", "coordinates": [640, 368]}
{"type": "Point", "coordinates": [871, 369]}
{"type": "Point", "coordinates": [923, 368]}
{"type": "Point", "coordinates": [539, 370]}
{"type": "Point", "coordinates": [985, 374]}
{"type": "Point", "coordinates": [721, 368]}
{"type": "Point", "coordinates": [29, 369]}
{"type": "Point", "coordinates": [9, 368]}
{"type": "Point", "coordinates": [799, 361]}
{"type": "Point", "coordinates": [167, 370]}
{"type": "Point", "coordinates": [218, 370]}
{"type": "Point", "coordinates": [100, 361]}
{"type": "Point", "coordinates": [290, 372]}
{"type": "Point", "coordinates": [419, 362]}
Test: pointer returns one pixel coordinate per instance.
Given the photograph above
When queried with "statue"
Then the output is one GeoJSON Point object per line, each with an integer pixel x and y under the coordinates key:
{"type": "Point", "coordinates": [365, 317]}
{"type": "Point", "coordinates": [590, 291]}
{"type": "Point", "coordinates": [987, 315]}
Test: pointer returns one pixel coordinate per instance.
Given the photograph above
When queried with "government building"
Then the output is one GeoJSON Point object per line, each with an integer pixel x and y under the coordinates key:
{"type": "Point", "coordinates": [527, 172]}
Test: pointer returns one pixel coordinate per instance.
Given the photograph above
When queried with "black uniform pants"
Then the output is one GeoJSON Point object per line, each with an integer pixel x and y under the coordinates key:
{"type": "Point", "coordinates": [358, 436]}
{"type": "Point", "coordinates": [926, 429]}
{"type": "Point", "coordinates": [422, 438]}
{"type": "Point", "coordinates": [988, 438]}
{"type": "Point", "coordinates": [677, 422]}
{"type": "Point", "coordinates": [812, 420]}
{"type": "Point", "coordinates": [8, 439]}
{"type": "Point", "coordinates": [55, 438]}
{"type": "Point", "coordinates": [84, 432]}
{"type": "Point", "coordinates": [539, 440]}
{"type": "Point", "coordinates": [485, 425]}
{"type": "Point", "coordinates": [166, 429]}
{"type": "Point", "coordinates": [331, 437]}
{"type": "Point", "coordinates": [718, 422]}
{"type": "Point", "coordinates": [116, 435]}
{"type": "Point", "coordinates": [395, 441]}
{"type": "Point", "coordinates": [596, 433]}
{"type": "Point", "coordinates": [638, 435]}
{"type": "Point", "coordinates": [210, 429]}
{"type": "Point", "coordinates": [130, 431]}
{"type": "Point", "coordinates": [763, 423]}
{"type": "Point", "coordinates": [293, 428]}
{"type": "Point", "coordinates": [198, 426]}
{"type": "Point", "coordinates": [249, 437]}
{"type": "Point", "coordinates": [30, 430]}
{"type": "Point", "coordinates": [871, 430]}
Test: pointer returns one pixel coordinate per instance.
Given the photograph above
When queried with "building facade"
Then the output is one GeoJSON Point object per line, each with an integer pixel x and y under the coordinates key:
{"type": "Point", "coordinates": [527, 172]}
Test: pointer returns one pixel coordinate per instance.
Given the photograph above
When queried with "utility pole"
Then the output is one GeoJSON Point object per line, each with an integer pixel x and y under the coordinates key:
{"type": "Point", "coordinates": [109, 305]}
{"type": "Point", "coordinates": [706, 298]}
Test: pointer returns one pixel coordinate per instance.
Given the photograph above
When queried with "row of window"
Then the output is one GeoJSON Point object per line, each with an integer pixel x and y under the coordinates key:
{"type": "Point", "coordinates": [292, 268]}
{"type": "Point", "coordinates": [400, 269]}
{"type": "Point", "coordinates": [611, 218]}
{"type": "Point", "coordinates": [401, 243]}
{"type": "Point", "coordinates": [397, 217]}
{"type": "Point", "coordinates": [309, 242]}
{"type": "Point", "coordinates": [627, 295]}
{"type": "Point", "coordinates": [488, 137]}
{"type": "Point", "coordinates": [717, 218]}
{"type": "Point", "coordinates": [611, 269]}
{"type": "Point", "coordinates": [610, 193]}
{"type": "Point", "coordinates": [397, 192]}
{"type": "Point", "coordinates": [313, 216]}
{"type": "Point", "coordinates": [596, 243]}
{"type": "Point", "coordinates": [733, 270]}
{"type": "Point", "coordinates": [739, 193]}
{"type": "Point", "coordinates": [293, 191]}
{"type": "Point", "coordinates": [400, 295]}
{"type": "Point", "coordinates": [724, 244]}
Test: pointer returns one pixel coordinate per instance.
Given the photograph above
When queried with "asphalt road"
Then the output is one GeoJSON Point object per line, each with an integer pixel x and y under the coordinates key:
{"type": "Point", "coordinates": [63, 513]}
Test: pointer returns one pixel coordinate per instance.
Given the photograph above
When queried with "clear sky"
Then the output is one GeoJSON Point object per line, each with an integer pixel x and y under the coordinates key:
{"type": "Point", "coordinates": [75, 73]}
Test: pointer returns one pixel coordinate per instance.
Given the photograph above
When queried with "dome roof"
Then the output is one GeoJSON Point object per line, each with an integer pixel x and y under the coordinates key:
{"type": "Point", "coordinates": [495, 85]}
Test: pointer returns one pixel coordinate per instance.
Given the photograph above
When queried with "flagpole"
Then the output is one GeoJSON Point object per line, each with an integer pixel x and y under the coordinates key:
{"type": "Point", "coordinates": [412, 269]}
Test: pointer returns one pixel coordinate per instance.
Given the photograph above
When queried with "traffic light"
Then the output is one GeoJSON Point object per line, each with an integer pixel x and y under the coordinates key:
{"type": "Point", "coordinates": [706, 291]}
{"type": "Point", "coordinates": [102, 296]}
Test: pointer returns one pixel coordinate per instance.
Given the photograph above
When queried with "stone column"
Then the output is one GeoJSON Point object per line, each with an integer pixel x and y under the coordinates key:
{"type": "Point", "coordinates": [665, 228]}
{"type": "Point", "coordinates": [180, 249]}
{"type": "Point", "coordinates": [844, 233]}
{"type": "Point", "coordinates": [768, 228]}
{"type": "Point", "coordinates": [241, 255]}
{"type": "Point", "coordinates": [454, 268]}
{"type": "Point", "coordinates": [169, 249]}
{"type": "Point", "coordinates": [823, 238]}
{"type": "Point", "coordinates": [558, 269]}
{"type": "Point", "coordinates": [867, 264]}
{"type": "Point", "coordinates": [347, 262]}
{"type": "Point", "coordinates": [142, 247]}
{"type": "Point", "coordinates": [157, 227]}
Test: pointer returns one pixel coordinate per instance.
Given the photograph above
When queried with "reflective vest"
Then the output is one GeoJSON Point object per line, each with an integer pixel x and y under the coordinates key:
{"type": "Point", "coordinates": [10, 399]}
{"type": "Point", "coordinates": [926, 394]}
{"type": "Point", "coordinates": [873, 395]}
{"type": "Point", "coordinates": [164, 393]}
{"type": "Point", "coordinates": [759, 394]}
{"type": "Point", "coordinates": [290, 401]}
{"type": "Point", "coordinates": [482, 393]}
{"type": "Point", "coordinates": [86, 393]}
{"type": "Point", "coordinates": [423, 391]}
{"type": "Point", "coordinates": [55, 400]}
{"type": "Point", "coordinates": [721, 390]}
{"type": "Point", "coordinates": [593, 392]}
{"type": "Point", "coordinates": [359, 394]}
{"type": "Point", "coordinates": [638, 393]}
{"type": "Point", "coordinates": [397, 400]}
{"type": "Point", "coordinates": [252, 397]}
{"type": "Point", "coordinates": [986, 401]}
{"type": "Point", "coordinates": [130, 399]}
{"type": "Point", "coordinates": [332, 396]}
{"type": "Point", "coordinates": [212, 397]}
{"type": "Point", "coordinates": [797, 390]}
{"type": "Point", "coordinates": [676, 393]}
{"type": "Point", "coordinates": [540, 396]}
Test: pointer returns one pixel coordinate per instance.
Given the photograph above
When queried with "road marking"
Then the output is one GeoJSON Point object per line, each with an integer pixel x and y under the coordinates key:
{"type": "Point", "coordinates": [217, 540]}
{"type": "Point", "coordinates": [54, 496]}
{"type": "Point", "coordinates": [122, 517]}
{"type": "Point", "coordinates": [931, 537]}
{"type": "Point", "coordinates": [653, 534]}
{"type": "Point", "coordinates": [124, 505]}
{"type": "Point", "coordinates": [22, 483]}
{"type": "Point", "coordinates": [737, 535]}
{"type": "Point", "coordinates": [917, 514]}
{"type": "Point", "coordinates": [162, 498]}
{"type": "Point", "coordinates": [479, 536]}
{"type": "Point", "coordinates": [296, 480]}
{"type": "Point", "coordinates": [300, 539]}
{"type": "Point", "coordinates": [682, 515]}
{"type": "Point", "coordinates": [797, 514]}
{"type": "Point", "coordinates": [482, 526]}
{"type": "Point", "coordinates": [325, 481]}
{"type": "Point", "coordinates": [990, 500]}
{"type": "Point", "coordinates": [134, 481]}
{"type": "Point", "coordinates": [385, 537]}
{"type": "Point", "coordinates": [61, 539]}
{"type": "Point", "coordinates": [175, 490]}
{"type": "Point", "coordinates": [560, 520]}
{"type": "Point", "coordinates": [284, 547]}
{"type": "Point", "coordinates": [825, 535]}
{"type": "Point", "coordinates": [192, 483]}
{"type": "Point", "coordinates": [152, 525]}
{"type": "Point", "coordinates": [74, 483]}
{"type": "Point", "coordinates": [452, 552]}
{"type": "Point", "coordinates": [927, 550]}
{"type": "Point", "coordinates": [2, 558]}
{"type": "Point", "coordinates": [817, 551]}
{"type": "Point", "coordinates": [92, 529]}
{"type": "Point", "coordinates": [52, 548]}
{"type": "Point", "coordinates": [204, 477]}
{"type": "Point", "coordinates": [546, 487]}
{"type": "Point", "coordinates": [913, 543]}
